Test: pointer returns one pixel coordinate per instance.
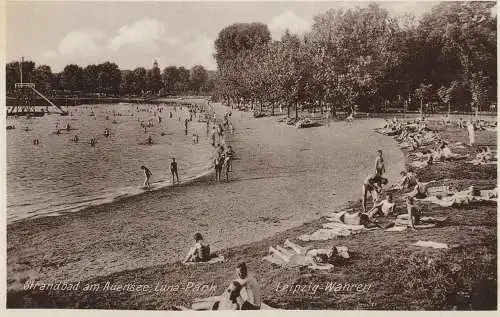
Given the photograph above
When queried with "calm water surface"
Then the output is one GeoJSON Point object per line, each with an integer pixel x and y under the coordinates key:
{"type": "Point", "coordinates": [59, 175]}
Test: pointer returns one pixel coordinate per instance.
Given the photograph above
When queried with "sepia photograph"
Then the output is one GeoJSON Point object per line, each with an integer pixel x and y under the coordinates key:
{"type": "Point", "coordinates": [267, 155]}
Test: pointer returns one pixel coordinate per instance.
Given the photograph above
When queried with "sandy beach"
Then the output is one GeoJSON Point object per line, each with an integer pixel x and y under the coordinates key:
{"type": "Point", "coordinates": [278, 183]}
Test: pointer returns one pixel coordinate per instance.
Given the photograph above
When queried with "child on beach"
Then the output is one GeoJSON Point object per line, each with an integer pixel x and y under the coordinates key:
{"type": "Point", "coordinates": [200, 252]}
{"type": "Point", "coordinates": [173, 170]}
{"type": "Point", "coordinates": [147, 174]}
{"type": "Point", "coordinates": [379, 164]}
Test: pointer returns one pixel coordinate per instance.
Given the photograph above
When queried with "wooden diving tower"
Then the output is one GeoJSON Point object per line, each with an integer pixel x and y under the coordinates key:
{"type": "Point", "coordinates": [24, 105]}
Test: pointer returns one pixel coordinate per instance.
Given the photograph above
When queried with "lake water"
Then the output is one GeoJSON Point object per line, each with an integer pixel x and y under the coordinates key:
{"type": "Point", "coordinates": [59, 175]}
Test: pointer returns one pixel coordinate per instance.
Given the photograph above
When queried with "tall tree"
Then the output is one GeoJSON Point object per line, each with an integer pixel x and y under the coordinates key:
{"type": "Point", "coordinates": [198, 78]}
{"type": "Point", "coordinates": [72, 78]}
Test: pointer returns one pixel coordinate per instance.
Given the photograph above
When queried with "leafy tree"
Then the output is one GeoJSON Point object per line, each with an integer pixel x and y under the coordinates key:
{"type": "Point", "coordinates": [198, 78]}
{"type": "Point", "coordinates": [42, 77]}
{"type": "Point", "coordinates": [72, 78]}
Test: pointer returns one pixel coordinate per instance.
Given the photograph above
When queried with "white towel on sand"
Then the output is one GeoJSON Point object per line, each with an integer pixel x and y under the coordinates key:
{"type": "Point", "coordinates": [430, 244]}
{"type": "Point", "coordinates": [325, 234]}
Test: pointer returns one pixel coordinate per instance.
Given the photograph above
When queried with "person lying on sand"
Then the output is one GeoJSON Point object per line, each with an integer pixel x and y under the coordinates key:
{"type": "Point", "coordinates": [382, 208]}
{"type": "Point", "coordinates": [372, 185]}
{"type": "Point", "coordinates": [200, 252]}
{"type": "Point", "coordinates": [317, 261]}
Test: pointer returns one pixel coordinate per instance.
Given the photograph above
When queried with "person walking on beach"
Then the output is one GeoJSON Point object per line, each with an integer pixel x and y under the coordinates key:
{"type": "Point", "coordinates": [472, 134]}
{"type": "Point", "coordinates": [218, 161]}
{"type": "Point", "coordinates": [220, 132]}
{"type": "Point", "coordinates": [173, 170]}
{"type": "Point", "coordinates": [379, 164]}
{"type": "Point", "coordinates": [147, 175]}
{"type": "Point", "coordinates": [186, 126]}
{"type": "Point", "coordinates": [212, 136]}
{"type": "Point", "coordinates": [228, 161]}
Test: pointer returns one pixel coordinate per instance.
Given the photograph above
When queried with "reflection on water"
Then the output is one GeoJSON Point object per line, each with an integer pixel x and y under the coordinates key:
{"type": "Point", "coordinates": [60, 175]}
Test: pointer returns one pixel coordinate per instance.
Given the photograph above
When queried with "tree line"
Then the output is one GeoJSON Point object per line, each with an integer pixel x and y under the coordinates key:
{"type": "Point", "coordinates": [365, 58]}
{"type": "Point", "coordinates": [108, 80]}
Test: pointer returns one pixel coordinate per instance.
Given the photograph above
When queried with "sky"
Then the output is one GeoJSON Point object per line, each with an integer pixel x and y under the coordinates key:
{"type": "Point", "coordinates": [134, 34]}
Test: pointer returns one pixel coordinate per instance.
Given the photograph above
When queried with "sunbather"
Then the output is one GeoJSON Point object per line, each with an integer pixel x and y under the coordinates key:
{"type": "Point", "coordinates": [408, 180]}
{"type": "Point", "coordinates": [200, 252]}
{"type": "Point", "coordinates": [382, 208]}
{"type": "Point", "coordinates": [251, 289]}
{"type": "Point", "coordinates": [420, 190]}
{"type": "Point", "coordinates": [314, 259]}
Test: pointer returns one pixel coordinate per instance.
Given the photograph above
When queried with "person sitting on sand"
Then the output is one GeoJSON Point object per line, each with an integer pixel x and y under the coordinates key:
{"type": "Point", "coordinates": [200, 252]}
{"type": "Point", "coordinates": [420, 190]}
{"type": "Point", "coordinates": [382, 208]}
{"type": "Point", "coordinates": [372, 185]}
{"type": "Point", "coordinates": [150, 140]}
{"type": "Point", "coordinates": [379, 164]}
{"type": "Point", "coordinates": [252, 296]}
{"type": "Point", "coordinates": [485, 155]}
{"type": "Point", "coordinates": [231, 299]}
{"type": "Point", "coordinates": [408, 180]}
{"type": "Point", "coordinates": [173, 170]}
{"type": "Point", "coordinates": [147, 175]}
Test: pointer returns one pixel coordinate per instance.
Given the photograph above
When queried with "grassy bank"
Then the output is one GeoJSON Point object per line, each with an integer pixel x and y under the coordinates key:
{"type": "Point", "coordinates": [384, 272]}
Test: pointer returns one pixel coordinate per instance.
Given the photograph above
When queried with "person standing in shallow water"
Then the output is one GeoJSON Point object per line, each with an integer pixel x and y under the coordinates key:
{"type": "Point", "coordinates": [147, 175]}
{"type": "Point", "coordinates": [173, 170]}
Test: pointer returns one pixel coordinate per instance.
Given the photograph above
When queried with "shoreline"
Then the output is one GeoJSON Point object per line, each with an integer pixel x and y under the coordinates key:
{"type": "Point", "coordinates": [383, 248]}
{"type": "Point", "coordinates": [74, 242]}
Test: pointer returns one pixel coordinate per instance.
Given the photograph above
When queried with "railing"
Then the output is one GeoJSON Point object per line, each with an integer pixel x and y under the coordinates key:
{"type": "Point", "coordinates": [25, 85]}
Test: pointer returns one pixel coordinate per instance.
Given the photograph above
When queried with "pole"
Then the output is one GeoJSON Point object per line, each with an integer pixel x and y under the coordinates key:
{"type": "Point", "coordinates": [21, 69]}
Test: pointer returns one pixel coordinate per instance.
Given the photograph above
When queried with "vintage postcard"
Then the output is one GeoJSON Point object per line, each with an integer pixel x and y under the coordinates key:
{"type": "Point", "coordinates": [189, 156]}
